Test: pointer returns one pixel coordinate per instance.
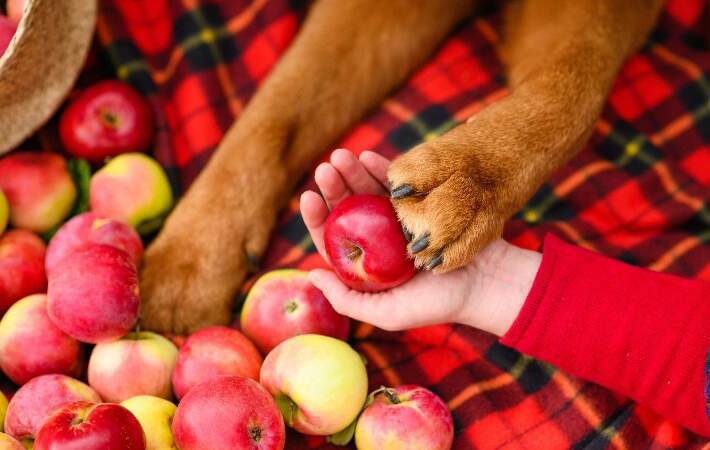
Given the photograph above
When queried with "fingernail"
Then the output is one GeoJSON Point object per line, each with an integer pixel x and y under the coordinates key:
{"type": "Point", "coordinates": [437, 260]}
{"type": "Point", "coordinates": [402, 191]}
{"type": "Point", "coordinates": [407, 234]}
{"type": "Point", "coordinates": [420, 244]}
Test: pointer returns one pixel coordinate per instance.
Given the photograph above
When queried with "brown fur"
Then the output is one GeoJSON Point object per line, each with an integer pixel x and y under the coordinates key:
{"type": "Point", "coordinates": [562, 57]}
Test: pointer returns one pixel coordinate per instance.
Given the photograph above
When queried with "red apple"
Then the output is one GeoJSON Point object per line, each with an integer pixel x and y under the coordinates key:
{"type": "Point", "coordinates": [90, 228]}
{"type": "Point", "coordinates": [405, 417]}
{"type": "Point", "coordinates": [365, 244]}
{"type": "Point", "coordinates": [15, 9]}
{"type": "Point", "coordinates": [228, 413]}
{"type": "Point", "coordinates": [39, 189]}
{"type": "Point", "coordinates": [21, 267]}
{"type": "Point", "coordinates": [34, 402]}
{"type": "Point", "coordinates": [8, 442]}
{"type": "Point", "coordinates": [31, 345]}
{"type": "Point", "coordinates": [107, 119]}
{"type": "Point", "coordinates": [7, 31]}
{"type": "Point", "coordinates": [139, 364]}
{"type": "Point", "coordinates": [213, 352]}
{"type": "Point", "coordinates": [283, 304]}
{"type": "Point", "coordinates": [88, 426]}
{"type": "Point", "coordinates": [93, 294]}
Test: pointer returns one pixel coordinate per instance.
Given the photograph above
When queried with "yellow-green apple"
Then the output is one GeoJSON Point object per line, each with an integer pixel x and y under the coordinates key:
{"type": "Point", "coordinates": [21, 267]}
{"type": "Point", "coordinates": [93, 294]}
{"type": "Point", "coordinates": [31, 345]}
{"type": "Point", "coordinates": [15, 9]}
{"type": "Point", "coordinates": [155, 415]}
{"type": "Point", "coordinates": [366, 245]}
{"type": "Point", "coordinates": [3, 410]}
{"type": "Point", "coordinates": [229, 412]}
{"type": "Point", "coordinates": [90, 228]}
{"type": "Point", "coordinates": [318, 382]}
{"type": "Point", "coordinates": [405, 417]}
{"type": "Point", "coordinates": [213, 352]}
{"type": "Point", "coordinates": [8, 442]}
{"type": "Point", "coordinates": [282, 304]}
{"type": "Point", "coordinates": [39, 189]}
{"type": "Point", "coordinates": [90, 426]}
{"type": "Point", "coordinates": [134, 188]}
{"type": "Point", "coordinates": [34, 402]}
{"type": "Point", "coordinates": [139, 364]}
{"type": "Point", "coordinates": [105, 120]}
{"type": "Point", "coordinates": [4, 212]}
{"type": "Point", "coordinates": [7, 30]}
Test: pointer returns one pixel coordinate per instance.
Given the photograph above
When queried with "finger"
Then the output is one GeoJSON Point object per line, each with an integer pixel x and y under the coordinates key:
{"type": "Point", "coordinates": [354, 173]}
{"type": "Point", "coordinates": [314, 212]}
{"type": "Point", "coordinates": [331, 185]}
{"type": "Point", "coordinates": [376, 165]}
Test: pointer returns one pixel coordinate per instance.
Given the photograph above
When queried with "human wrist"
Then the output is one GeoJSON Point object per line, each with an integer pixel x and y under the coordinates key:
{"type": "Point", "coordinates": [501, 278]}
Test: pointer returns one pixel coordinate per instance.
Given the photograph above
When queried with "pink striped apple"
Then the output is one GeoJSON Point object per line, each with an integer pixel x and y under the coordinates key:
{"type": "Point", "coordinates": [228, 413]}
{"type": "Point", "coordinates": [91, 228]}
{"type": "Point", "coordinates": [132, 187]}
{"type": "Point", "coordinates": [405, 417]}
{"type": "Point", "coordinates": [25, 326]}
{"type": "Point", "coordinates": [39, 189]}
{"type": "Point", "coordinates": [21, 267]}
{"type": "Point", "coordinates": [318, 382]}
{"type": "Point", "coordinates": [282, 304]}
{"type": "Point", "coordinates": [93, 294]}
{"type": "Point", "coordinates": [139, 364]}
{"type": "Point", "coordinates": [34, 402]}
{"type": "Point", "coordinates": [8, 442]}
{"type": "Point", "coordinates": [213, 352]}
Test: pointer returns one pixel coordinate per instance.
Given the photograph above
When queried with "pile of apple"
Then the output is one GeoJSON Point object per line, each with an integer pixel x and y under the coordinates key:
{"type": "Point", "coordinates": [70, 313]}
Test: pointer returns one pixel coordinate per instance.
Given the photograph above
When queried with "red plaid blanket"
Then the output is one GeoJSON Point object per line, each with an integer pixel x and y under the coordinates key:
{"type": "Point", "coordinates": [639, 191]}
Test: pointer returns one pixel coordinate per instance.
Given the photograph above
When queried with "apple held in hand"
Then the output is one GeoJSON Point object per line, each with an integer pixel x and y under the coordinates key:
{"type": "Point", "coordinates": [134, 188]}
{"type": "Point", "coordinates": [138, 364]}
{"type": "Point", "coordinates": [8, 442]}
{"type": "Point", "coordinates": [31, 345]}
{"type": "Point", "coordinates": [38, 188]}
{"type": "Point", "coordinates": [4, 212]}
{"type": "Point", "coordinates": [93, 294]}
{"type": "Point", "coordinates": [319, 383]}
{"type": "Point", "coordinates": [21, 267]}
{"type": "Point", "coordinates": [90, 228]}
{"type": "Point", "coordinates": [406, 417]}
{"type": "Point", "coordinates": [365, 244]}
{"type": "Point", "coordinates": [34, 402]}
{"type": "Point", "coordinates": [155, 416]}
{"type": "Point", "coordinates": [88, 426]}
{"type": "Point", "coordinates": [228, 413]}
{"type": "Point", "coordinates": [283, 304]}
{"type": "Point", "coordinates": [106, 119]}
{"type": "Point", "coordinates": [213, 352]}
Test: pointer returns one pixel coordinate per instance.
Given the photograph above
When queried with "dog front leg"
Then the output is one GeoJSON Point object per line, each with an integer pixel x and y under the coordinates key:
{"type": "Point", "coordinates": [347, 57]}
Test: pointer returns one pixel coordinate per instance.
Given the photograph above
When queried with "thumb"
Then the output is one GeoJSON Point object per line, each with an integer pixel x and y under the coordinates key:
{"type": "Point", "coordinates": [338, 294]}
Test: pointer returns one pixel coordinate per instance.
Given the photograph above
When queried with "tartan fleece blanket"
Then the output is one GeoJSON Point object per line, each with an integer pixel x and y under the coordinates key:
{"type": "Point", "coordinates": [638, 191]}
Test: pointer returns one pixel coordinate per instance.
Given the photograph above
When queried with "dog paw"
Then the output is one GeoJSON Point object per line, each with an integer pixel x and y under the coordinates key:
{"type": "Point", "coordinates": [446, 201]}
{"type": "Point", "coordinates": [193, 270]}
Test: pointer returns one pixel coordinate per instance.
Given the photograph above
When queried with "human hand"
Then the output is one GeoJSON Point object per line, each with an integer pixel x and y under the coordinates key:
{"type": "Point", "coordinates": [486, 294]}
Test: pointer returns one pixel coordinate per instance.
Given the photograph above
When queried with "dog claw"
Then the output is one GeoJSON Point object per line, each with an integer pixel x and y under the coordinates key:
{"type": "Point", "coordinates": [401, 191]}
{"type": "Point", "coordinates": [420, 244]}
{"type": "Point", "coordinates": [407, 234]}
{"type": "Point", "coordinates": [437, 260]}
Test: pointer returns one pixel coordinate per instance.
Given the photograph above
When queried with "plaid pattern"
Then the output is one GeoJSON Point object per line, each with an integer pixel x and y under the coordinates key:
{"type": "Point", "coordinates": [639, 191]}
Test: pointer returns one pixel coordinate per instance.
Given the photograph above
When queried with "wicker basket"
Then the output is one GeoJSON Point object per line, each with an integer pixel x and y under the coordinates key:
{"type": "Point", "coordinates": [41, 64]}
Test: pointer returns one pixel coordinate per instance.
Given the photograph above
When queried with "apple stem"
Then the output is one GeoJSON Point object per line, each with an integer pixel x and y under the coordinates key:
{"type": "Point", "coordinates": [391, 396]}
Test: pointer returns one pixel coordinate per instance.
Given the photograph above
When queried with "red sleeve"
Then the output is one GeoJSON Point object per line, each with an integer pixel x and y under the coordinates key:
{"type": "Point", "coordinates": [642, 334]}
